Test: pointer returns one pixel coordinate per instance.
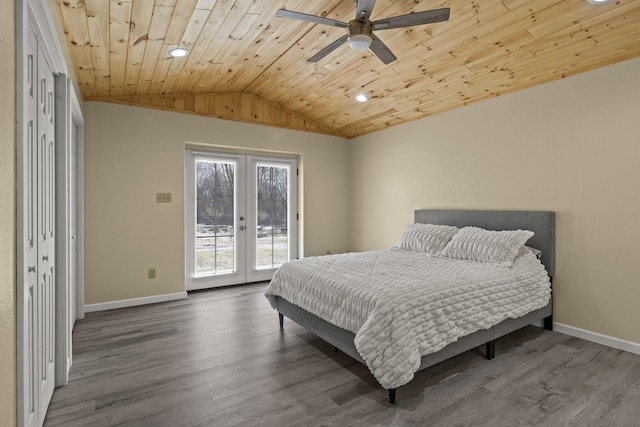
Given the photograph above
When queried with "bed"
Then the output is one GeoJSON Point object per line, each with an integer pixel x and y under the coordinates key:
{"type": "Point", "coordinates": [541, 223]}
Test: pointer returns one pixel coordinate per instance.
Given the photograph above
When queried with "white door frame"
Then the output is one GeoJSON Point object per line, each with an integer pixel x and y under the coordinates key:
{"type": "Point", "coordinates": [77, 120]}
{"type": "Point", "coordinates": [69, 130]}
{"type": "Point", "coordinates": [245, 208]}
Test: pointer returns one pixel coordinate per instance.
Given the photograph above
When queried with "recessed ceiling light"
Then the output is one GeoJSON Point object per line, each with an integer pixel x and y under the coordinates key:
{"type": "Point", "coordinates": [178, 52]}
{"type": "Point", "coordinates": [598, 1]}
{"type": "Point", "coordinates": [361, 97]}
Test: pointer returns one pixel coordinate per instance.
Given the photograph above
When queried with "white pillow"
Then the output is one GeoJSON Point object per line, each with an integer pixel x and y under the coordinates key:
{"type": "Point", "coordinates": [477, 244]}
{"type": "Point", "coordinates": [427, 238]}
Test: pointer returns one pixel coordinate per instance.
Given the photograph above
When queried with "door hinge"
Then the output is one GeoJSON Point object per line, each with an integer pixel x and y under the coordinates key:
{"type": "Point", "coordinates": [298, 216]}
{"type": "Point", "coordinates": [297, 171]}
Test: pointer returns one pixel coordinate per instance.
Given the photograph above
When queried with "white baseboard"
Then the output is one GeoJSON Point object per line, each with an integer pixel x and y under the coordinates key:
{"type": "Point", "coordinates": [133, 302]}
{"type": "Point", "coordinates": [629, 346]}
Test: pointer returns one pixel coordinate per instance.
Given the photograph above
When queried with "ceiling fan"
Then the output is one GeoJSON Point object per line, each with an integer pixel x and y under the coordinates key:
{"type": "Point", "coordinates": [360, 30]}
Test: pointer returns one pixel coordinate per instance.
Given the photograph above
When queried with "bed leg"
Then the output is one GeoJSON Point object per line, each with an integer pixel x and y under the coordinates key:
{"type": "Point", "coordinates": [392, 395]}
{"type": "Point", "coordinates": [281, 319]}
{"type": "Point", "coordinates": [490, 348]}
{"type": "Point", "coordinates": [548, 323]}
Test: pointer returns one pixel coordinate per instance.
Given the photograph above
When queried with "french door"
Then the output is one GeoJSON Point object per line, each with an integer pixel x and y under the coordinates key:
{"type": "Point", "coordinates": [241, 217]}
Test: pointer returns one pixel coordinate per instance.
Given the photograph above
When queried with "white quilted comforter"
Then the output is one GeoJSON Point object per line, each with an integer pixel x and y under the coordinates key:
{"type": "Point", "coordinates": [402, 305]}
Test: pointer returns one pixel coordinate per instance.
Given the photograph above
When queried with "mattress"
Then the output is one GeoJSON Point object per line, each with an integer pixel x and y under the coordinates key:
{"type": "Point", "coordinates": [402, 305]}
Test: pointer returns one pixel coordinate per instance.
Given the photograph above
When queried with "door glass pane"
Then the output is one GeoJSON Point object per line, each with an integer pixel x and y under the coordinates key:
{"type": "Point", "coordinates": [215, 240]}
{"type": "Point", "coordinates": [272, 243]}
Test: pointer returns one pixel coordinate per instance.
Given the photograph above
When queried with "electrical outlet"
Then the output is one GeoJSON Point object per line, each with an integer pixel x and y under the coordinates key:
{"type": "Point", "coordinates": [152, 273]}
{"type": "Point", "coordinates": [163, 197]}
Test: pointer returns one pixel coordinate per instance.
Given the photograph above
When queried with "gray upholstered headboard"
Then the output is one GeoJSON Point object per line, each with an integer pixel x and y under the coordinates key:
{"type": "Point", "coordinates": [542, 223]}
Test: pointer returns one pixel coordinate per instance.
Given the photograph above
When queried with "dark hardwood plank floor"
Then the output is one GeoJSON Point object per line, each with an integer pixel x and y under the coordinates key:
{"type": "Point", "coordinates": [219, 359]}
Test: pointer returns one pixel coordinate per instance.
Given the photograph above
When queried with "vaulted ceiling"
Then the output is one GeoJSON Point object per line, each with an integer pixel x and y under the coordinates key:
{"type": "Point", "coordinates": [244, 63]}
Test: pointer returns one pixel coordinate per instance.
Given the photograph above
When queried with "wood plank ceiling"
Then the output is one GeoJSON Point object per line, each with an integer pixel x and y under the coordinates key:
{"type": "Point", "coordinates": [247, 64]}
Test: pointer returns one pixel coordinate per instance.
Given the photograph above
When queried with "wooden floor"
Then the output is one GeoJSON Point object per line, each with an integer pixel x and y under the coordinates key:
{"type": "Point", "coordinates": [219, 359]}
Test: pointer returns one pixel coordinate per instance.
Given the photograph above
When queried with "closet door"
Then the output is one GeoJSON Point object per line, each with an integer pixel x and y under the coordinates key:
{"type": "Point", "coordinates": [39, 293]}
{"type": "Point", "coordinates": [46, 234]}
{"type": "Point", "coordinates": [30, 296]}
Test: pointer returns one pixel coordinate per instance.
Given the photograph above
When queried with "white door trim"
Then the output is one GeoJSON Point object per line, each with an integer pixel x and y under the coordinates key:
{"type": "Point", "coordinates": [245, 217]}
{"type": "Point", "coordinates": [63, 339]}
{"type": "Point", "coordinates": [69, 129]}
{"type": "Point", "coordinates": [77, 119]}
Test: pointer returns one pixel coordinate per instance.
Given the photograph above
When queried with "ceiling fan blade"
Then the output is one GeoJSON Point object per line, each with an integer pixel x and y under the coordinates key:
{"type": "Point", "coordinates": [327, 50]}
{"type": "Point", "coordinates": [411, 19]}
{"type": "Point", "coordinates": [363, 9]}
{"type": "Point", "coordinates": [382, 51]}
{"type": "Point", "coordinates": [310, 18]}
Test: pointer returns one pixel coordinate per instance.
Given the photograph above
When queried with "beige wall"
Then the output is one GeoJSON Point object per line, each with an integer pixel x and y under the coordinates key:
{"type": "Point", "coordinates": [131, 153]}
{"type": "Point", "coordinates": [7, 216]}
{"type": "Point", "coordinates": [572, 146]}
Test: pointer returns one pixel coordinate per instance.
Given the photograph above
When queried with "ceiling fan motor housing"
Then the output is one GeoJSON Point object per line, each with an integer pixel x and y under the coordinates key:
{"type": "Point", "coordinates": [360, 34]}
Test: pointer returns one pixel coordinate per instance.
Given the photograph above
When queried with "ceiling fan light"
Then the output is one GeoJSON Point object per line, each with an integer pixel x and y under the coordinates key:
{"type": "Point", "coordinates": [178, 52]}
{"type": "Point", "coordinates": [360, 41]}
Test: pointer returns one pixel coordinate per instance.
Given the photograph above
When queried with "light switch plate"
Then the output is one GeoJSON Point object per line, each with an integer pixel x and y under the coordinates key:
{"type": "Point", "coordinates": [163, 197]}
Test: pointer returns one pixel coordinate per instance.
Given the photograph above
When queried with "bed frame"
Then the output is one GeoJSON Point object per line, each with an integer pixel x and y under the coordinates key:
{"type": "Point", "coordinates": [542, 223]}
